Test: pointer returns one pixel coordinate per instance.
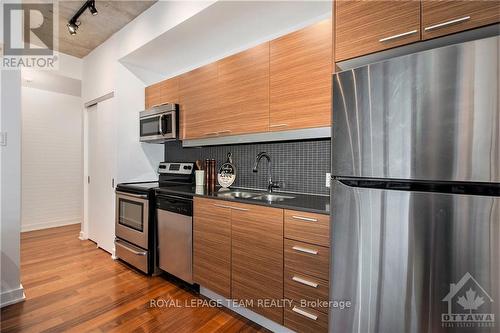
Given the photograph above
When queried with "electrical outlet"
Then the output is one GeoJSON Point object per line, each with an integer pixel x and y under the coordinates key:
{"type": "Point", "coordinates": [327, 179]}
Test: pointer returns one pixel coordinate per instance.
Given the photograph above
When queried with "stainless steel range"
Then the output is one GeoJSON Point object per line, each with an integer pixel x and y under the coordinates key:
{"type": "Point", "coordinates": [154, 232]}
{"type": "Point", "coordinates": [134, 225]}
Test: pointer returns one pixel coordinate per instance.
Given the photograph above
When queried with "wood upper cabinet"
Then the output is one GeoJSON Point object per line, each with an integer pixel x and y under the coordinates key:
{"type": "Point", "coordinates": [212, 246]}
{"type": "Point", "coordinates": [199, 102]}
{"type": "Point", "coordinates": [244, 92]}
{"type": "Point", "coordinates": [152, 95]}
{"type": "Point", "coordinates": [363, 27]}
{"type": "Point", "coordinates": [257, 256]}
{"type": "Point", "coordinates": [301, 69]}
{"type": "Point", "coordinates": [166, 91]}
{"type": "Point", "coordinates": [440, 18]}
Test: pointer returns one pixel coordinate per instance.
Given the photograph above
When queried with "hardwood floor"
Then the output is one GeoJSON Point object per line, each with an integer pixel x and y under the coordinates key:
{"type": "Point", "coordinates": [71, 285]}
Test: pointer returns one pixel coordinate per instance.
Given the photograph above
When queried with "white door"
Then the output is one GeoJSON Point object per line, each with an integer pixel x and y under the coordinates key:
{"type": "Point", "coordinates": [101, 170]}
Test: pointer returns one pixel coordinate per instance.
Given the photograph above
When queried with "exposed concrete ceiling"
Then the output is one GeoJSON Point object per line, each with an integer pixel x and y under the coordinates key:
{"type": "Point", "coordinates": [94, 30]}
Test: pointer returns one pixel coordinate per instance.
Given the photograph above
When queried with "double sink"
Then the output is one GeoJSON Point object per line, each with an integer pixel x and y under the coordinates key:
{"type": "Point", "coordinates": [262, 196]}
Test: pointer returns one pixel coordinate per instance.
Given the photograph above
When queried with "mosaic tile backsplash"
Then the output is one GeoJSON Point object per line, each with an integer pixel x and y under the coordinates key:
{"type": "Point", "coordinates": [301, 165]}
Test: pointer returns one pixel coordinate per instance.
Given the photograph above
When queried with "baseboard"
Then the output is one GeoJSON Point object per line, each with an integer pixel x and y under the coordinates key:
{"type": "Point", "coordinates": [12, 296]}
{"type": "Point", "coordinates": [255, 317]}
{"type": "Point", "coordinates": [82, 236]}
{"type": "Point", "coordinates": [47, 225]}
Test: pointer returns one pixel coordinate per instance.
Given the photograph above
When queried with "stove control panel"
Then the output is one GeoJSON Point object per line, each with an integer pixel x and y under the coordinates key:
{"type": "Point", "coordinates": [176, 168]}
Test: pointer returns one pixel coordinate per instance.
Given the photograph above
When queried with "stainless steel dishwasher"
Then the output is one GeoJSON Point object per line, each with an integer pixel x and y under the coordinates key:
{"type": "Point", "coordinates": [175, 235]}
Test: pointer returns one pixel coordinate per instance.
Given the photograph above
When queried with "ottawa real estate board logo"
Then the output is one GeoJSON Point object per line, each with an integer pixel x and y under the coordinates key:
{"type": "Point", "coordinates": [469, 305]}
{"type": "Point", "coordinates": [29, 35]}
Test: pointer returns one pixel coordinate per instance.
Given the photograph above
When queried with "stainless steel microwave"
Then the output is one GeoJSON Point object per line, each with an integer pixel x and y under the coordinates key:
{"type": "Point", "coordinates": [159, 123]}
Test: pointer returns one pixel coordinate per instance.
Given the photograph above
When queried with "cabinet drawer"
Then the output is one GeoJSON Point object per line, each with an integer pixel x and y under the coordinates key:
{"type": "Point", "coordinates": [307, 227]}
{"type": "Point", "coordinates": [299, 286]}
{"type": "Point", "coordinates": [310, 259]}
{"type": "Point", "coordinates": [305, 320]}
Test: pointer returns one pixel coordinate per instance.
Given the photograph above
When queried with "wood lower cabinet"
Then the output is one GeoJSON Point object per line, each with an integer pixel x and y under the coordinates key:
{"type": "Point", "coordinates": [301, 75]}
{"type": "Point", "coordinates": [257, 257]}
{"type": "Point", "coordinates": [307, 227]}
{"type": "Point", "coordinates": [212, 246]}
{"type": "Point", "coordinates": [199, 102]}
{"type": "Point", "coordinates": [244, 92]}
{"type": "Point", "coordinates": [441, 18]}
{"type": "Point", "coordinates": [305, 320]}
{"type": "Point", "coordinates": [363, 27]}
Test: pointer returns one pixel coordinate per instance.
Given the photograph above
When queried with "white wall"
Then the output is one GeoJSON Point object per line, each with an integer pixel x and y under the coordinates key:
{"type": "Point", "coordinates": [11, 290]}
{"type": "Point", "coordinates": [52, 181]}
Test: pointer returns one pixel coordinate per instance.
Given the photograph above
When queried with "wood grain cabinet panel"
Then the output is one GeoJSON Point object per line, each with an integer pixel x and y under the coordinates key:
{"type": "Point", "coordinates": [166, 91]}
{"type": "Point", "coordinates": [199, 102]}
{"type": "Point", "coordinates": [169, 90]}
{"type": "Point", "coordinates": [307, 258]}
{"type": "Point", "coordinates": [441, 18]}
{"type": "Point", "coordinates": [305, 320]}
{"type": "Point", "coordinates": [244, 92]}
{"type": "Point", "coordinates": [301, 69]}
{"type": "Point", "coordinates": [363, 27]}
{"type": "Point", "coordinates": [307, 227]}
{"type": "Point", "coordinates": [257, 257]}
{"type": "Point", "coordinates": [152, 95]}
{"type": "Point", "coordinates": [212, 246]}
{"type": "Point", "coordinates": [299, 286]}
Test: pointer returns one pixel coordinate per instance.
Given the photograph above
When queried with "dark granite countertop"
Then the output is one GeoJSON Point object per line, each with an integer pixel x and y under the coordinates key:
{"type": "Point", "coordinates": [303, 202]}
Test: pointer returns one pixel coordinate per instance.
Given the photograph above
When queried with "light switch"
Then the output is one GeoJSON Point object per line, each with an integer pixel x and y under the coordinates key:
{"type": "Point", "coordinates": [327, 179]}
{"type": "Point", "coordinates": [3, 138]}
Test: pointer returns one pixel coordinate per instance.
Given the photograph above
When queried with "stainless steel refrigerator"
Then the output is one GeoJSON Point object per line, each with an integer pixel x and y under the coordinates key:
{"type": "Point", "coordinates": [415, 242]}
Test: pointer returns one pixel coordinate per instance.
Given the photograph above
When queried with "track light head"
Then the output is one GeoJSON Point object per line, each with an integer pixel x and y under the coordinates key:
{"type": "Point", "coordinates": [92, 8]}
{"type": "Point", "coordinates": [72, 27]}
{"type": "Point", "coordinates": [74, 23]}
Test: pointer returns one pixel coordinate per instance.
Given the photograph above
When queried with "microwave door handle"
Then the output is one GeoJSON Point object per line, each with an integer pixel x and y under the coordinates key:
{"type": "Point", "coordinates": [160, 125]}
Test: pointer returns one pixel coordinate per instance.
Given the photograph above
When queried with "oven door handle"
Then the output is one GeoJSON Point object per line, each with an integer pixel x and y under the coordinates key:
{"type": "Point", "coordinates": [120, 244]}
{"type": "Point", "coordinates": [140, 196]}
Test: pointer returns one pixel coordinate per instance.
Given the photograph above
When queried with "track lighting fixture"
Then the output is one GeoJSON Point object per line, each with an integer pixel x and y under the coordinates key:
{"type": "Point", "coordinates": [73, 23]}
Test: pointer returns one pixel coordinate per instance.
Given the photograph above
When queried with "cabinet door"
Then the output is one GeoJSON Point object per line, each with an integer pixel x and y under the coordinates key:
{"type": "Point", "coordinates": [301, 74]}
{"type": "Point", "coordinates": [199, 102]}
{"type": "Point", "coordinates": [152, 95]}
{"type": "Point", "coordinates": [257, 257]}
{"type": "Point", "coordinates": [440, 18]}
{"type": "Point", "coordinates": [169, 90]}
{"type": "Point", "coordinates": [363, 27]}
{"type": "Point", "coordinates": [212, 246]}
{"type": "Point", "coordinates": [244, 92]}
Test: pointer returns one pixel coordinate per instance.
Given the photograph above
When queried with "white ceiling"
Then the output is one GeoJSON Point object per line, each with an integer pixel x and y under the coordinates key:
{"type": "Point", "coordinates": [224, 28]}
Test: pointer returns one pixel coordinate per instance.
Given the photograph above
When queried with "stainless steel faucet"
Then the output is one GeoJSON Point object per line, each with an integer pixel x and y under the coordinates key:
{"type": "Point", "coordinates": [271, 185]}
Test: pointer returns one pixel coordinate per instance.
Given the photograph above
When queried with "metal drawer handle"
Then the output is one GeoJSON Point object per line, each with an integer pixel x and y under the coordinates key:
{"type": "Point", "coordinates": [304, 313]}
{"type": "Point", "coordinates": [304, 281]}
{"type": "Point", "coordinates": [130, 250]}
{"type": "Point", "coordinates": [230, 207]}
{"type": "Point", "coordinates": [242, 209]}
{"type": "Point", "coordinates": [279, 125]}
{"type": "Point", "coordinates": [304, 249]}
{"type": "Point", "coordinates": [211, 133]}
{"type": "Point", "coordinates": [398, 36]}
{"type": "Point", "coordinates": [447, 23]}
{"type": "Point", "coordinates": [132, 195]}
{"type": "Point", "coordinates": [222, 206]}
{"type": "Point", "coordinates": [308, 219]}
{"type": "Point", "coordinates": [225, 131]}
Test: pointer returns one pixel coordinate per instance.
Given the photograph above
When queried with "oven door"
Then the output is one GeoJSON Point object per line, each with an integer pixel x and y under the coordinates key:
{"type": "Point", "coordinates": [158, 127]}
{"type": "Point", "coordinates": [132, 217]}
